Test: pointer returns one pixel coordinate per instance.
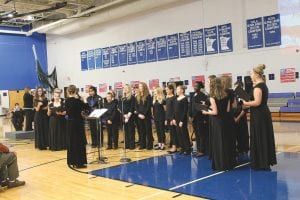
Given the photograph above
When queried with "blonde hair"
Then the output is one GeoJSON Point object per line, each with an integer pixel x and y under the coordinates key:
{"type": "Point", "coordinates": [217, 89]}
{"type": "Point", "coordinates": [259, 69]}
{"type": "Point", "coordinates": [57, 90]}
{"type": "Point", "coordinates": [128, 96]}
{"type": "Point", "coordinates": [142, 95]}
{"type": "Point", "coordinates": [159, 95]}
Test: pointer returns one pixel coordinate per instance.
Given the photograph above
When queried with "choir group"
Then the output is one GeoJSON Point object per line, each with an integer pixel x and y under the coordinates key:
{"type": "Point", "coordinates": [218, 119]}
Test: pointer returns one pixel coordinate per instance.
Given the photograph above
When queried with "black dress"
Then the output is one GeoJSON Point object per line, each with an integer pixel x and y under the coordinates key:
{"type": "Point", "coordinates": [262, 142]}
{"type": "Point", "coordinates": [145, 126]}
{"type": "Point", "coordinates": [57, 128]}
{"type": "Point", "coordinates": [127, 106]}
{"type": "Point", "coordinates": [220, 130]}
{"type": "Point", "coordinates": [76, 154]}
{"type": "Point", "coordinates": [181, 115]}
{"type": "Point", "coordinates": [159, 120]}
{"type": "Point", "coordinates": [41, 126]}
{"type": "Point", "coordinates": [242, 130]}
{"type": "Point", "coordinates": [200, 122]}
{"type": "Point", "coordinates": [170, 108]}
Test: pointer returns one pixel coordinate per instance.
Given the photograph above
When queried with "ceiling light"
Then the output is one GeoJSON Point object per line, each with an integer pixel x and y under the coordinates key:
{"type": "Point", "coordinates": [30, 17]}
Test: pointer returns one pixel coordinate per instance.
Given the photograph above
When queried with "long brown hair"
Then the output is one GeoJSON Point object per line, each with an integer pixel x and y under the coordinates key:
{"type": "Point", "coordinates": [226, 82]}
{"type": "Point", "coordinates": [217, 89]}
{"type": "Point", "coordinates": [142, 95]}
{"type": "Point", "coordinates": [36, 95]}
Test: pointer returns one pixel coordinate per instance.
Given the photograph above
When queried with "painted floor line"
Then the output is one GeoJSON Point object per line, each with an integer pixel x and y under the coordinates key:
{"type": "Point", "coordinates": [205, 177]}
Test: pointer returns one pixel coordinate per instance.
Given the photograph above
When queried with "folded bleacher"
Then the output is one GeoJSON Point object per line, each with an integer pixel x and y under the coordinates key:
{"type": "Point", "coordinates": [277, 100]}
{"type": "Point", "coordinates": [285, 106]}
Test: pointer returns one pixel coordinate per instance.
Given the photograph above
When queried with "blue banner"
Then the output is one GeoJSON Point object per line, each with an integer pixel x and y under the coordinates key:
{"type": "Point", "coordinates": [106, 57]}
{"type": "Point", "coordinates": [123, 54]}
{"type": "Point", "coordinates": [185, 44]}
{"type": "Point", "coordinates": [131, 53]}
{"type": "Point", "coordinates": [173, 44]}
{"type": "Point", "coordinates": [91, 59]}
{"type": "Point", "coordinates": [141, 51]}
{"type": "Point", "coordinates": [114, 56]}
{"type": "Point", "coordinates": [162, 48]}
{"type": "Point", "coordinates": [254, 33]}
{"type": "Point", "coordinates": [225, 38]}
{"type": "Point", "coordinates": [211, 42]}
{"type": "Point", "coordinates": [83, 56]}
{"type": "Point", "coordinates": [98, 58]}
{"type": "Point", "coordinates": [151, 50]}
{"type": "Point", "coordinates": [272, 30]}
{"type": "Point", "coordinates": [197, 42]}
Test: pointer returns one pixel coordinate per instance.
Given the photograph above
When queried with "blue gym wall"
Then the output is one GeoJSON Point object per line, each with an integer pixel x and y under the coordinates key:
{"type": "Point", "coordinates": [17, 61]}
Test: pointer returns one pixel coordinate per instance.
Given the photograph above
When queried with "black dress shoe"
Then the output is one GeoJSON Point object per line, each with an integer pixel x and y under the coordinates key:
{"type": "Point", "coordinates": [81, 166]}
{"type": "Point", "coordinates": [16, 183]}
{"type": "Point", "coordinates": [108, 148]}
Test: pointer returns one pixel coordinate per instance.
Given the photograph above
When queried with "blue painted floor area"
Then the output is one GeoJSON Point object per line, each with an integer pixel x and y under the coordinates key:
{"type": "Point", "coordinates": [193, 176]}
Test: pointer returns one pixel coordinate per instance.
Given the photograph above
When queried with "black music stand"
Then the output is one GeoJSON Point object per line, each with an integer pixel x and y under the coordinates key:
{"type": "Point", "coordinates": [97, 114]}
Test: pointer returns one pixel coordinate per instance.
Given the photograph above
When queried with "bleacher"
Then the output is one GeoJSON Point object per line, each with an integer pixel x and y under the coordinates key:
{"type": "Point", "coordinates": [285, 106]}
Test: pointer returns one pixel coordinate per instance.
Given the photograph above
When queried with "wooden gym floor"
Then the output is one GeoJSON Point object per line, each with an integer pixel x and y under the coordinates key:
{"type": "Point", "coordinates": [48, 177]}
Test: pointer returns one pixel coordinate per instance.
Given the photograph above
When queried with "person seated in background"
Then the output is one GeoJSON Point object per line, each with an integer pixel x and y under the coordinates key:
{"type": "Point", "coordinates": [9, 171]}
{"type": "Point", "coordinates": [17, 117]}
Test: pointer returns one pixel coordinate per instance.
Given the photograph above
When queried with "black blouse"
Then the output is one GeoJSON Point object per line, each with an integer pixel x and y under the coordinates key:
{"type": "Point", "coordinates": [144, 108]}
{"type": "Point", "coordinates": [128, 105]}
{"type": "Point", "coordinates": [181, 109]}
{"type": "Point", "coordinates": [74, 107]}
{"type": "Point", "coordinates": [170, 107]}
{"type": "Point", "coordinates": [159, 111]}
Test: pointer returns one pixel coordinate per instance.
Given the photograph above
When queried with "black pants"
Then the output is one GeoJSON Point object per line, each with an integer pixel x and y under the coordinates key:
{"type": "Point", "coordinates": [129, 134]}
{"type": "Point", "coordinates": [160, 130]}
{"type": "Point", "coordinates": [136, 123]}
{"type": "Point", "coordinates": [17, 122]}
{"type": "Point", "coordinates": [201, 133]}
{"type": "Point", "coordinates": [29, 114]}
{"type": "Point", "coordinates": [173, 135]}
{"type": "Point", "coordinates": [146, 137]}
{"type": "Point", "coordinates": [183, 137]}
{"type": "Point", "coordinates": [113, 135]}
{"type": "Point", "coordinates": [94, 135]}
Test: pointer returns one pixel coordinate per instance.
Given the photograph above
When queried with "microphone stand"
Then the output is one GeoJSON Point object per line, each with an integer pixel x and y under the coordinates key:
{"type": "Point", "coordinates": [124, 159]}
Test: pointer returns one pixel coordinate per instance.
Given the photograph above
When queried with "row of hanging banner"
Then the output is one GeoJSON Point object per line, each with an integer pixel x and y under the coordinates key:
{"type": "Point", "coordinates": [261, 32]}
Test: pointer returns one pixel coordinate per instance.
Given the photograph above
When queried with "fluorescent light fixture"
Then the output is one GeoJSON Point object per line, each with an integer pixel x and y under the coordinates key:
{"type": "Point", "coordinates": [30, 17]}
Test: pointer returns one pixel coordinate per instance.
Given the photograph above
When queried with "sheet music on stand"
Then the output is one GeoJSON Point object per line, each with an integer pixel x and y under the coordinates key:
{"type": "Point", "coordinates": [242, 94]}
{"type": "Point", "coordinates": [97, 113]}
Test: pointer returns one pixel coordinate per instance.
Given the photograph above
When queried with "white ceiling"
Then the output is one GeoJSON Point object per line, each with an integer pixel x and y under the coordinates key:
{"type": "Point", "coordinates": [17, 13]}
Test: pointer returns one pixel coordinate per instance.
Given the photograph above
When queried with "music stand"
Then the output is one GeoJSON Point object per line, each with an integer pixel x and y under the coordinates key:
{"type": "Point", "coordinates": [124, 158]}
{"type": "Point", "coordinates": [97, 114]}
